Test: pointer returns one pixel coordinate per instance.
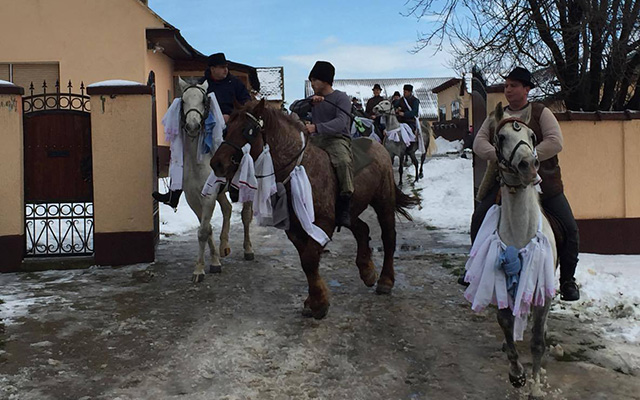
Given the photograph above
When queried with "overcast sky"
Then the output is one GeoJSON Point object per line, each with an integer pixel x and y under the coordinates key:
{"type": "Point", "coordinates": [362, 39]}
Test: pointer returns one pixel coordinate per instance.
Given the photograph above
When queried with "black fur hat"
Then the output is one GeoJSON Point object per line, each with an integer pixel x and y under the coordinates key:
{"type": "Point", "coordinates": [323, 71]}
{"type": "Point", "coordinates": [408, 87]}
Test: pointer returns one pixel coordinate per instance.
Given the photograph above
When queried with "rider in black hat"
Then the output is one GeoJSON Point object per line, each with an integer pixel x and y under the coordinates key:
{"type": "Point", "coordinates": [331, 131]}
{"type": "Point", "coordinates": [549, 143]}
{"type": "Point", "coordinates": [227, 89]}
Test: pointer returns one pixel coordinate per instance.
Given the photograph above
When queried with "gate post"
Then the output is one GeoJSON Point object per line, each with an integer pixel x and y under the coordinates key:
{"type": "Point", "coordinates": [122, 147]}
{"type": "Point", "coordinates": [12, 237]}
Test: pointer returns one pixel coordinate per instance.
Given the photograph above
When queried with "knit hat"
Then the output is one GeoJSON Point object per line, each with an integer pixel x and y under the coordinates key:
{"type": "Point", "coordinates": [323, 71]}
{"type": "Point", "coordinates": [408, 87]}
{"type": "Point", "coordinates": [216, 59]}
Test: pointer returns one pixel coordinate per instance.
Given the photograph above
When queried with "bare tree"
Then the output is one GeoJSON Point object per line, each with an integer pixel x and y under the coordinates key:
{"type": "Point", "coordinates": [588, 49]}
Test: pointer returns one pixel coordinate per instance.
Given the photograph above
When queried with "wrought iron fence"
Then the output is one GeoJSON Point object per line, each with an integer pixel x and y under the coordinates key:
{"type": "Point", "coordinates": [59, 229]}
{"type": "Point", "coordinates": [56, 100]}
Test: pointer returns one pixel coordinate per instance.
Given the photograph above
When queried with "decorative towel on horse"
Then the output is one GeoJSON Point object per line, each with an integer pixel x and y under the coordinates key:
{"type": "Point", "coordinates": [402, 133]}
{"type": "Point", "coordinates": [245, 178]}
{"type": "Point", "coordinates": [488, 282]}
{"type": "Point", "coordinates": [207, 143]}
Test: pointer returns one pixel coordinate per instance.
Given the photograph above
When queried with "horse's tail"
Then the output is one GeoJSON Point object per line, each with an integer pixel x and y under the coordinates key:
{"type": "Point", "coordinates": [405, 201]}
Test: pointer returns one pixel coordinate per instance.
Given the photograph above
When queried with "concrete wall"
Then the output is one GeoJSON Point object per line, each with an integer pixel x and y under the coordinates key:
{"type": "Point", "coordinates": [601, 168]}
{"type": "Point", "coordinates": [12, 181]}
{"type": "Point", "coordinates": [123, 179]}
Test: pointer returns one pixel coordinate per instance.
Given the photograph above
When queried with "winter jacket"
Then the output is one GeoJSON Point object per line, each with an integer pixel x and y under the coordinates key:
{"type": "Point", "coordinates": [227, 90]}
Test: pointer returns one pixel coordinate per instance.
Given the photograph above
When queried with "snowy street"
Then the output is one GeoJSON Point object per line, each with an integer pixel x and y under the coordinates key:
{"type": "Point", "coordinates": [146, 332]}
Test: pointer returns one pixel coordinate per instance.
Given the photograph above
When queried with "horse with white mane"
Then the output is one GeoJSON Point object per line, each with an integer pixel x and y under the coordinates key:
{"type": "Point", "coordinates": [400, 141]}
{"type": "Point", "coordinates": [195, 108]}
{"type": "Point", "coordinates": [514, 256]}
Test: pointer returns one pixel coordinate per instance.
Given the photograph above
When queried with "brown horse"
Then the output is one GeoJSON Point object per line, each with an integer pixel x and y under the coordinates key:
{"type": "Point", "coordinates": [374, 185]}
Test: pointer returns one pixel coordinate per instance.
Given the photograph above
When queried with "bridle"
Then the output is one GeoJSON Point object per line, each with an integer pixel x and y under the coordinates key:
{"type": "Point", "coordinates": [250, 132]}
{"type": "Point", "coordinates": [506, 164]}
{"type": "Point", "coordinates": [203, 116]}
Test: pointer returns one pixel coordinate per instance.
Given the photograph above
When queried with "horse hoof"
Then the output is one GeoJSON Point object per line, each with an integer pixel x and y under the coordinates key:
{"type": "Point", "coordinates": [306, 312]}
{"type": "Point", "coordinates": [215, 269]}
{"type": "Point", "coordinates": [370, 278]}
{"type": "Point", "coordinates": [249, 256]}
{"type": "Point", "coordinates": [320, 313]}
{"type": "Point", "coordinates": [225, 252]}
{"type": "Point", "coordinates": [383, 288]}
{"type": "Point", "coordinates": [197, 278]}
{"type": "Point", "coordinates": [518, 381]}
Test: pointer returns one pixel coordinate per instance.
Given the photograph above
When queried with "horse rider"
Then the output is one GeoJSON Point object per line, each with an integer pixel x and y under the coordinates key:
{"type": "Point", "coordinates": [372, 102]}
{"type": "Point", "coordinates": [549, 144]}
{"type": "Point", "coordinates": [408, 107]}
{"type": "Point", "coordinates": [395, 99]}
{"type": "Point", "coordinates": [227, 88]}
{"type": "Point", "coordinates": [330, 130]}
{"type": "Point", "coordinates": [356, 107]}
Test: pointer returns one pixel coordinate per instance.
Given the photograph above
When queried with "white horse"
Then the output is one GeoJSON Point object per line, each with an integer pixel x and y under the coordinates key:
{"type": "Point", "coordinates": [195, 108]}
{"type": "Point", "coordinates": [522, 224]}
{"type": "Point", "coordinates": [399, 148]}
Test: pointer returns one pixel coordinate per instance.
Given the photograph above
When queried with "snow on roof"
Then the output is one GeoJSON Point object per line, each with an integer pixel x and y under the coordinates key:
{"type": "Point", "coordinates": [116, 82]}
{"type": "Point", "coordinates": [6, 83]}
{"type": "Point", "coordinates": [362, 89]}
{"type": "Point", "coordinates": [271, 84]}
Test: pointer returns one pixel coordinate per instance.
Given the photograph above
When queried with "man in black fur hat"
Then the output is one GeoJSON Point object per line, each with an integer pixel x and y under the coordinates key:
{"type": "Point", "coordinates": [408, 107]}
{"type": "Point", "coordinates": [330, 130]}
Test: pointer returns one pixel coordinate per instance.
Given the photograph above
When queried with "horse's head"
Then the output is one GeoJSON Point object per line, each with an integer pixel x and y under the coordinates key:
{"type": "Point", "coordinates": [244, 126]}
{"type": "Point", "coordinates": [384, 107]}
{"type": "Point", "coordinates": [195, 106]}
{"type": "Point", "coordinates": [515, 144]}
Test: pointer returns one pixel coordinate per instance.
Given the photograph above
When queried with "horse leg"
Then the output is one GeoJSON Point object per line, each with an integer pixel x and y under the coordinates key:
{"type": "Point", "coordinates": [400, 168]}
{"type": "Point", "coordinates": [414, 160]}
{"type": "Point", "coordinates": [538, 346]}
{"type": "Point", "coordinates": [205, 226]}
{"type": "Point", "coordinates": [317, 303]}
{"type": "Point", "coordinates": [365, 265]}
{"type": "Point", "coordinates": [247, 216]}
{"type": "Point", "coordinates": [517, 375]}
{"type": "Point", "coordinates": [386, 218]}
{"type": "Point", "coordinates": [422, 158]}
{"type": "Point", "coordinates": [225, 206]}
{"type": "Point", "coordinates": [204, 236]}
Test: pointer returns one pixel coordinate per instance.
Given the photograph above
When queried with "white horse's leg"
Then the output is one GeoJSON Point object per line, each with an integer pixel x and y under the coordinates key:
{"type": "Point", "coordinates": [517, 375]}
{"type": "Point", "coordinates": [204, 233]}
{"type": "Point", "coordinates": [216, 266]}
{"type": "Point", "coordinates": [247, 216]}
{"type": "Point", "coordinates": [538, 347]}
{"type": "Point", "coordinates": [225, 206]}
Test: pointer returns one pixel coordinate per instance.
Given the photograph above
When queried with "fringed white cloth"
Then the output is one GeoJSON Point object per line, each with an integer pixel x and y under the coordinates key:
{"type": "Point", "coordinates": [171, 122]}
{"type": "Point", "coordinates": [212, 185]}
{"type": "Point", "coordinates": [421, 147]}
{"type": "Point", "coordinates": [267, 187]}
{"type": "Point", "coordinates": [402, 133]}
{"type": "Point", "coordinates": [302, 196]}
{"type": "Point", "coordinates": [245, 178]}
{"type": "Point", "coordinates": [487, 281]}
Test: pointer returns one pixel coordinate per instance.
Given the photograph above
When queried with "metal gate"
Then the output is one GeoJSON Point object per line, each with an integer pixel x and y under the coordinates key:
{"type": "Point", "coordinates": [58, 173]}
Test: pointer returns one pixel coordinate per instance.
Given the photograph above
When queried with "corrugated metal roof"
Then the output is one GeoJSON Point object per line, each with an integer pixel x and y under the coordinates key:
{"type": "Point", "coordinates": [361, 88]}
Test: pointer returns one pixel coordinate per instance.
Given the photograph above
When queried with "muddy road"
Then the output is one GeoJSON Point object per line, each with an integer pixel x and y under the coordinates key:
{"type": "Point", "coordinates": [146, 332]}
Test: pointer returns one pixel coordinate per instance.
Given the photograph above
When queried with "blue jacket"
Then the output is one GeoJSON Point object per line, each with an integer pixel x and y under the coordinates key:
{"type": "Point", "coordinates": [226, 91]}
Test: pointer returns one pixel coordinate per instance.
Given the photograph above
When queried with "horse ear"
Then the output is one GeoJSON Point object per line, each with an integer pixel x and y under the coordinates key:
{"type": "Point", "coordinates": [204, 85]}
{"type": "Point", "coordinates": [183, 85]}
{"type": "Point", "coordinates": [259, 109]}
{"type": "Point", "coordinates": [499, 113]}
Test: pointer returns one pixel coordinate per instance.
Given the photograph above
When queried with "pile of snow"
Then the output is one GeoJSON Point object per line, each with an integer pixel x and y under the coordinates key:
{"type": "Point", "coordinates": [447, 147]}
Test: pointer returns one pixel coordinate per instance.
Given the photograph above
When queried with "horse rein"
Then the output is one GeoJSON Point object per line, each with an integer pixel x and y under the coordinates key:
{"type": "Point", "coordinates": [507, 165]}
{"type": "Point", "coordinates": [250, 133]}
{"type": "Point", "coordinates": [203, 116]}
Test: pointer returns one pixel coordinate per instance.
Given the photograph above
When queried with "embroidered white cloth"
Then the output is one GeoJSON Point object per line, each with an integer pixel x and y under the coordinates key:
{"type": "Point", "coordinates": [404, 133]}
{"type": "Point", "coordinates": [421, 147]}
{"type": "Point", "coordinates": [220, 124]}
{"type": "Point", "coordinates": [262, 207]}
{"type": "Point", "coordinates": [212, 185]}
{"type": "Point", "coordinates": [302, 196]}
{"type": "Point", "coordinates": [487, 281]}
{"type": "Point", "coordinates": [171, 120]}
{"type": "Point", "coordinates": [245, 178]}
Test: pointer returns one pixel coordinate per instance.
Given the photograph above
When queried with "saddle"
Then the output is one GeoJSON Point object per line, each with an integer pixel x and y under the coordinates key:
{"type": "Point", "coordinates": [360, 149]}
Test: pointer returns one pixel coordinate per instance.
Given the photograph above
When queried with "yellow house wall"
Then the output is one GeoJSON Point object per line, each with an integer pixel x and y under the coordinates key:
{"type": "Point", "coordinates": [447, 96]}
{"type": "Point", "coordinates": [597, 168]}
{"type": "Point", "coordinates": [118, 172]}
{"type": "Point", "coordinates": [493, 99]}
{"type": "Point", "coordinates": [11, 164]}
{"type": "Point", "coordinates": [92, 40]}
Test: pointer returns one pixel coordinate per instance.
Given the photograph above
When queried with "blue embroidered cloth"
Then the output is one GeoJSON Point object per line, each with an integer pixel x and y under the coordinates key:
{"type": "Point", "coordinates": [511, 264]}
{"type": "Point", "coordinates": [209, 124]}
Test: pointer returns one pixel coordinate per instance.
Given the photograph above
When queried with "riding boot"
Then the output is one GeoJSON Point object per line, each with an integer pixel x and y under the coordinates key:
{"type": "Point", "coordinates": [343, 211]}
{"type": "Point", "coordinates": [171, 198]}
